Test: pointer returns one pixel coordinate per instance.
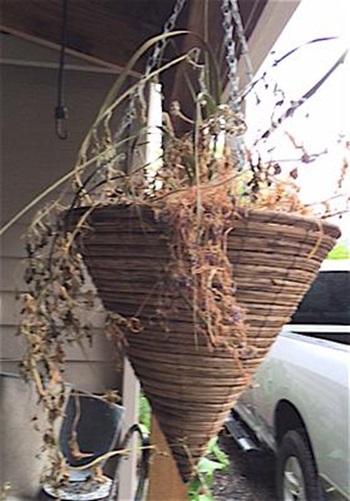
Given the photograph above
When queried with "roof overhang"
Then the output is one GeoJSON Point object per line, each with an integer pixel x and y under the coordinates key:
{"type": "Point", "coordinates": [106, 33]}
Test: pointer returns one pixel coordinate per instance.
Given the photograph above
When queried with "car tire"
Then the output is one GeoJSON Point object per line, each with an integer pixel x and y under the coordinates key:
{"type": "Point", "coordinates": [296, 473]}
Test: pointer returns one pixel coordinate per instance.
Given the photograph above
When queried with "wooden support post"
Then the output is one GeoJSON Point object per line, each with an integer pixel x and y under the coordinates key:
{"type": "Point", "coordinates": [127, 470]}
{"type": "Point", "coordinates": [131, 385]}
{"type": "Point", "coordinates": [165, 482]}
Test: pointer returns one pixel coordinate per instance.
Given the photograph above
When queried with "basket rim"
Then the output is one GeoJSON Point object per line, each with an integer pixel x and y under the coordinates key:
{"type": "Point", "coordinates": [268, 216]}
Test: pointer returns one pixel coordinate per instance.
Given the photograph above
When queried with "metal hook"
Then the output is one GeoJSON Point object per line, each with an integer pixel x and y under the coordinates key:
{"type": "Point", "coordinates": [61, 114]}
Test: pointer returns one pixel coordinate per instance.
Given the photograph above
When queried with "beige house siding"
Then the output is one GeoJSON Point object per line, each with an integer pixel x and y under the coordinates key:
{"type": "Point", "coordinates": [32, 158]}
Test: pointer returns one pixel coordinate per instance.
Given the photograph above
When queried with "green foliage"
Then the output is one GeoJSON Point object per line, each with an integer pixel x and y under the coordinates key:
{"type": "Point", "coordinates": [145, 413]}
{"type": "Point", "coordinates": [340, 251]}
{"type": "Point", "coordinates": [215, 459]}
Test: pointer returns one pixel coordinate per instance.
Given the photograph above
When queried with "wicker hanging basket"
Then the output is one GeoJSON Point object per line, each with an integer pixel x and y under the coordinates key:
{"type": "Point", "coordinates": [191, 384]}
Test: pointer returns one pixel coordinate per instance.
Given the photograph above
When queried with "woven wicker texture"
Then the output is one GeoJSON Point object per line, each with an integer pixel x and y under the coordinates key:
{"type": "Point", "coordinates": [191, 385]}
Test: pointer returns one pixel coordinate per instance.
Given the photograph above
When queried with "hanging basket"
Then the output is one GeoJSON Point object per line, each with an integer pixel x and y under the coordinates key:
{"type": "Point", "coordinates": [191, 384]}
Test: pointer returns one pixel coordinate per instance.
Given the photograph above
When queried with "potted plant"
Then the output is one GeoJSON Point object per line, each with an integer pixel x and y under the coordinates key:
{"type": "Point", "coordinates": [198, 263]}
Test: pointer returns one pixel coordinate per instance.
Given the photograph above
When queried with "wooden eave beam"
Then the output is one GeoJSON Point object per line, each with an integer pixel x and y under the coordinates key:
{"type": "Point", "coordinates": [95, 33]}
{"type": "Point", "coordinates": [107, 33]}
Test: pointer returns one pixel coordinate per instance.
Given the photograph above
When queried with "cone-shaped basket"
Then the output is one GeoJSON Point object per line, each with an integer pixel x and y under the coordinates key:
{"type": "Point", "coordinates": [191, 385]}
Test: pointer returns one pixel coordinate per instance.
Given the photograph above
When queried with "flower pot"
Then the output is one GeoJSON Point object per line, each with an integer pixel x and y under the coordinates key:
{"type": "Point", "coordinates": [191, 383]}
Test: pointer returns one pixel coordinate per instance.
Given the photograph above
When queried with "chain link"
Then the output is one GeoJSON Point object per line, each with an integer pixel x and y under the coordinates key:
{"type": "Point", "coordinates": [242, 39]}
{"type": "Point", "coordinates": [160, 45]}
{"type": "Point", "coordinates": [152, 62]}
{"type": "Point", "coordinates": [231, 19]}
{"type": "Point", "coordinates": [230, 54]}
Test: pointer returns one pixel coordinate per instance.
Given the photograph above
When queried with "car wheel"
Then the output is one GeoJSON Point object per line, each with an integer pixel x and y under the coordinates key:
{"type": "Point", "coordinates": [297, 478]}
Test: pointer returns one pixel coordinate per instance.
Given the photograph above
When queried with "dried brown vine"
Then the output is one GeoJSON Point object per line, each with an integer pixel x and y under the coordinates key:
{"type": "Point", "coordinates": [199, 189]}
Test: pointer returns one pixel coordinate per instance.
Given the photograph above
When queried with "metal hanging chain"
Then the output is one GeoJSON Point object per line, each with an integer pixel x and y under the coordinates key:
{"type": "Point", "coordinates": [231, 19]}
{"type": "Point", "coordinates": [160, 45]}
{"type": "Point", "coordinates": [152, 62]}
{"type": "Point", "coordinates": [242, 40]}
{"type": "Point", "coordinates": [230, 54]}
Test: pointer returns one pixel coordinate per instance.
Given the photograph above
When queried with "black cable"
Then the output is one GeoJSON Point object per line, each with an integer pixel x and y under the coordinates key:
{"type": "Point", "coordinates": [144, 462]}
{"type": "Point", "coordinates": [61, 111]}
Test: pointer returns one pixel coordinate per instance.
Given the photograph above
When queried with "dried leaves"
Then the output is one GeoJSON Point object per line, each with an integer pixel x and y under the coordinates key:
{"type": "Point", "coordinates": [200, 265]}
{"type": "Point", "coordinates": [51, 318]}
{"type": "Point", "coordinates": [198, 190]}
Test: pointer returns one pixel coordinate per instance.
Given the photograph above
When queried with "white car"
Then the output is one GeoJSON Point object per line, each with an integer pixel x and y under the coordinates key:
{"type": "Point", "coordinates": [298, 402]}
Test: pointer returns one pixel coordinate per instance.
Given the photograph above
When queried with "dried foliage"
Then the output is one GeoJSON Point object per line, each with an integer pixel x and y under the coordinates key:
{"type": "Point", "coordinates": [197, 191]}
{"type": "Point", "coordinates": [201, 188]}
